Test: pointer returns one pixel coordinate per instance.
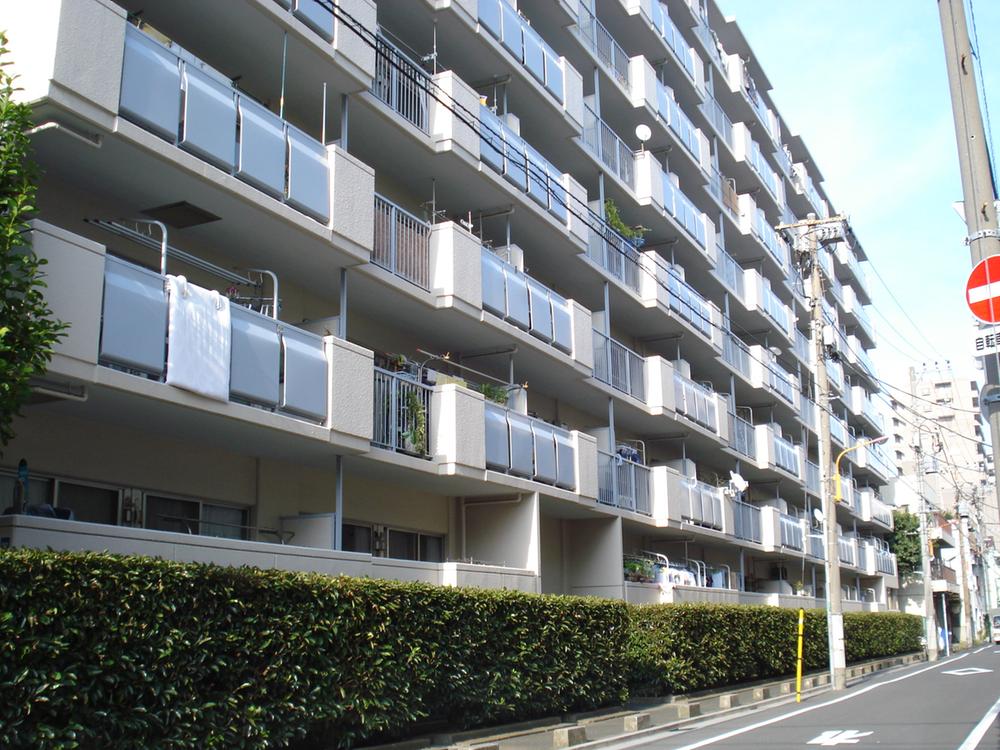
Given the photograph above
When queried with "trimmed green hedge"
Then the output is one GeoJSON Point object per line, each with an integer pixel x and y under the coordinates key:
{"type": "Point", "coordinates": [131, 652]}
{"type": "Point", "coordinates": [684, 647]}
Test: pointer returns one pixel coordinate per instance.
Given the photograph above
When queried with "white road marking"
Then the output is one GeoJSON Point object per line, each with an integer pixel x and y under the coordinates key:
{"type": "Point", "coordinates": [978, 650]}
{"type": "Point", "coordinates": [981, 728]}
{"type": "Point", "coordinates": [967, 671]}
{"type": "Point", "coordinates": [645, 740]}
{"type": "Point", "coordinates": [833, 737]}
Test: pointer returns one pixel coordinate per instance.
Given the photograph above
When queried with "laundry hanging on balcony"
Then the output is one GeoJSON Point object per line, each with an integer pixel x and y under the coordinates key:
{"type": "Point", "coordinates": [199, 339]}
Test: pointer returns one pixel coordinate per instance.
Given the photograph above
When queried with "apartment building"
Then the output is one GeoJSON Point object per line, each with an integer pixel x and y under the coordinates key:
{"type": "Point", "coordinates": [946, 470]}
{"type": "Point", "coordinates": [470, 292]}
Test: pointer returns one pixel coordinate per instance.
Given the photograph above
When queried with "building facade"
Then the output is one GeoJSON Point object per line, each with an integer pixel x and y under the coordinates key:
{"type": "Point", "coordinates": [453, 291]}
{"type": "Point", "coordinates": [945, 469]}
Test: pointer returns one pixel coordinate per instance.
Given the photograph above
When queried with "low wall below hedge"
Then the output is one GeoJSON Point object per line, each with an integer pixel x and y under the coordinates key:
{"type": "Point", "coordinates": [99, 650]}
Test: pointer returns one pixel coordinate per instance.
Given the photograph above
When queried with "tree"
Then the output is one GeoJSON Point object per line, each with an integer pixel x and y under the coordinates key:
{"type": "Point", "coordinates": [904, 541]}
{"type": "Point", "coordinates": [27, 330]}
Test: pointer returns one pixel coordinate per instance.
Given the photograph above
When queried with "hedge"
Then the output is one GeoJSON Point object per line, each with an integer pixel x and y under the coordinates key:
{"type": "Point", "coordinates": [132, 652]}
{"type": "Point", "coordinates": [685, 647]}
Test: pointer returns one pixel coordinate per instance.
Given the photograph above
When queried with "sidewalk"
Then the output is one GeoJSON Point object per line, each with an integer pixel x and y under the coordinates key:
{"type": "Point", "coordinates": [595, 729]}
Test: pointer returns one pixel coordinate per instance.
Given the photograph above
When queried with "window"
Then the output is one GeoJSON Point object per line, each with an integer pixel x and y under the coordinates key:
{"type": "Point", "coordinates": [39, 491]}
{"type": "Point", "coordinates": [357, 538]}
{"type": "Point", "coordinates": [411, 545]}
{"type": "Point", "coordinates": [194, 517]}
{"type": "Point", "coordinates": [89, 503]}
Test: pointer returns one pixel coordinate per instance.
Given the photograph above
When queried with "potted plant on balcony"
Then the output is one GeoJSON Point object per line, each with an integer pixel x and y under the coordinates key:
{"type": "Point", "coordinates": [494, 392]}
{"type": "Point", "coordinates": [415, 437]}
{"type": "Point", "coordinates": [635, 235]}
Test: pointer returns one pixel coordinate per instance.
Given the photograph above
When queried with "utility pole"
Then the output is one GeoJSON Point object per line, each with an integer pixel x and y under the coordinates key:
{"type": "Point", "coordinates": [978, 189]}
{"type": "Point", "coordinates": [930, 619]}
{"type": "Point", "coordinates": [968, 635]}
{"type": "Point", "coordinates": [813, 232]}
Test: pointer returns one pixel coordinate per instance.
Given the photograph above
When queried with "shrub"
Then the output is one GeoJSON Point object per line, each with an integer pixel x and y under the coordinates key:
{"type": "Point", "coordinates": [685, 647]}
{"type": "Point", "coordinates": [122, 652]}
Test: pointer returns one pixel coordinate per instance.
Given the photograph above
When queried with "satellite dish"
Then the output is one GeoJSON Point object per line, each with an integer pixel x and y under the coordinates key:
{"type": "Point", "coordinates": [738, 483]}
{"type": "Point", "coordinates": [818, 515]}
{"type": "Point", "coordinates": [642, 132]}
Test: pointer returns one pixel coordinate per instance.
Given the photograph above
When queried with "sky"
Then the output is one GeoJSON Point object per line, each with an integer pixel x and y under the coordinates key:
{"type": "Point", "coordinates": [865, 85]}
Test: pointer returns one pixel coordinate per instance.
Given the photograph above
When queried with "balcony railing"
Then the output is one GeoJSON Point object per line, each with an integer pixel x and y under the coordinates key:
{"type": "Point", "coordinates": [702, 504]}
{"type": "Point", "coordinates": [619, 366]}
{"type": "Point", "coordinates": [769, 238]}
{"type": "Point", "coordinates": [737, 354]}
{"type": "Point", "coordinates": [720, 120]}
{"type": "Point", "coordinates": [731, 274]}
{"type": "Point", "coordinates": [668, 30]}
{"type": "Point", "coordinates": [687, 303]}
{"type": "Point", "coordinates": [683, 210]}
{"type": "Point", "coordinates": [509, 27]}
{"type": "Point", "coordinates": [755, 157]}
{"type": "Point", "coordinates": [401, 83]}
{"type": "Point", "coordinates": [696, 402]}
{"type": "Point", "coordinates": [612, 252]}
{"type": "Point", "coordinates": [881, 512]}
{"type": "Point", "coordinates": [402, 243]}
{"type": "Point", "coordinates": [623, 483]}
{"type": "Point", "coordinates": [803, 347]}
{"type": "Point", "coordinates": [781, 382]}
{"type": "Point", "coordinates": [786, 455]}
{"type": "Point", "coordinates": [198, 109]}
{"type": "Point", "coordinates": [402, 413]}
{"type": "Point", "coordinates": [817, 546]}
{"type": "Point", "coordinates": [812, 478]}
{"type": "Point", "coordinates": [885, 562]}
{"type": "Point", "coordinates": [847, 551]}
{"type": "Point", "coordinates": [267, 363]}
{"type": "Point", "coordinates": [774, 308]}
{"type": "Point", "coordinates": [746, 521]}
{"type": "Point", "coordinates": [598, 39]}
{"type": "Point", "coordinates": [525, 168]}
{"type": "Point", "coordinates": [678, 122]}
{"type": "Point", "coordinates": [529, 448]}
{"type": "Point", "coordinates": [791, 531]}
{"type": "Point", "coordinates": [744, 437]}
{"type": "Point", "coordinates": [526, 303]}
{"type": "Point", "coordinates": [611, 150]}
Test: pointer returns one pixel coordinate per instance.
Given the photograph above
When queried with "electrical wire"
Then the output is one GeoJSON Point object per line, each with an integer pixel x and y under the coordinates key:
{"type": "Point", "coordinates": [976, 53]}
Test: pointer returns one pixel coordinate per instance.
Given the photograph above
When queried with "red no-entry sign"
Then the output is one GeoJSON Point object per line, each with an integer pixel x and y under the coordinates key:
{"type": "Point", "coordinates": [982, 291]}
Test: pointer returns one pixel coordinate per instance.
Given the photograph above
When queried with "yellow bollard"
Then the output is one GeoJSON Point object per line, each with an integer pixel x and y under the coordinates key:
{"type": "Point", "coordinates": [798, 665]}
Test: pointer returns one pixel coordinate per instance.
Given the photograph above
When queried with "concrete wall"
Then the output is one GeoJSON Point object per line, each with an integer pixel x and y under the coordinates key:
{"type": "Point", "coordinates": [503, 531]}
{"type": "Point", "coordinates": [593, 557]}
{"type": "Point", "coordinates": [451, 132]}
{"type": "Point", "coordinates": [456, 268]}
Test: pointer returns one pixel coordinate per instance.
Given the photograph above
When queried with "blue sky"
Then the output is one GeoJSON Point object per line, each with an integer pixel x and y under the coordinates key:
{"type": "Point", "coordinates": [865, 85]}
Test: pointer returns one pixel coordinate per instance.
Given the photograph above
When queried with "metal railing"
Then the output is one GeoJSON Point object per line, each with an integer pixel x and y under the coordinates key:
{"type": "Point", "coordinates": [885, 562]}
{"type": "Point", "coordinates": [402, 243]}
{"type": "Point", "coordinates": [619, 366]}
{"type": "Point", "coordinates": [847, 551]}
{"type": "Point", "coordinates": [704, 504]}
{"type": "Point", "coordinates": [744, 437]}
{"type": "Point", "coordinates": [731, 274]}
{"type": "Point", "coordinates": [696, 402]}
{"type": "Point", "coordinates": [668, 30]}
{"type": "Point", "coordinates": [786, 455]}
{"type": "Point", "coordinates": [817, 546]}
{"type": "Point", "coordinates": [612, 252]}
{"type": "Point", "coordinates": [400, 83]}
{"type": "Point", "coordinates": [402, 413]}
{"type": "Point", "coordinates": [688, 303]}
{"type": "Point", "coordinates": [746, 521]}
{"type": "Point", "coordinates": [611, 150]}
{"type": "Point", "coordinates": [737, 354]}
{"type": "Point", "coordinates": [812, 477]}
{"type": "Point", "coordinates": [720, 121]}
{"type": "Point", "coordinates": [623, 483]}
{"type": "Point", "coordinates": [791, 531]}
{"type": "Point", "coordinates": [610, 53]}
{"type": "Point", "coordinates": [881, 512]}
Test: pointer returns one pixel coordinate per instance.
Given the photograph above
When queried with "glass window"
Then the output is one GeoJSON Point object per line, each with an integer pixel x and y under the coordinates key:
{"type": "Point", "coordinates": [39, 491]}
{"type": "Point", "coordinates": [357, 538]}
{"type": "Point", "coordinates": [90, 504]}
{"type": "Point", "coordinates": [431, 548]}
{"type": "Point", "coordinates": [402, 545]}
{"type": "Point", "coordinates": [224, 521]}
{"type": "Point", "coordinates": [170, 514]}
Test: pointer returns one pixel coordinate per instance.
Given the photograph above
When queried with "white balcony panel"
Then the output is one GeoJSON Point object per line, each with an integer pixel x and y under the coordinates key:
{"type": "Point", "coordinates": [546, 469]}
{"type": "Point", "coordinates": [261, 148]}
{"type": "Point", "coordinates": [497, 438]}
{"type": "Point", "coordinates": [135, 317]}
{"type": "Point", "coordinates": [151, 84]}
{"type": "Point", "coordinates": [522, 445]}
{"type": "Point", "coordinates": [314, 15]}
{"type": "Point", "coordinates": [308, 175]}
{"type": "Point", "coordinates": [562, 324]}
{"type": "Point", "coordinates": [304, 389]}
{"type": "Point", "coordinates": [565, 460]}
{"type": "Point", "coordinates": [541, 311]}
{"type": "Point", "coordinates": [209, 124]}
{"type": "Point", "coordinates": [518, 302]}
{"type": "Point", "coordinates": [256, 357]}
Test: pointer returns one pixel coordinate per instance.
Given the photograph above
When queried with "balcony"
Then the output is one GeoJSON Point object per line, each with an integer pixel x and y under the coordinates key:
{"type": "Point", "coordinates": [731, 274]}
{"type": "Point", "coordinates": [623, 483]}
{"type": "Point", "coordinates": [838, 431]}
{"type": "Point", "coordinates": [689, 304]}
{"type": "Point", "coordinates": [768, 374]}
{"type": "Point", "coordinates": [198, 109]}
{"type": "Point", "coordinates": [699, 504]}
{"type": "Point", "coordinates": [605, 144]}
{"type": "Point", "coordinates": [809, 413]}
{"type": "Point", "coordinates": [615, 254]}
{"type": "Point", "coordinates": [737, 354]}
{"type": "Point", "coordinates": [744, 437]}
{"type": "Point", "coordinates": [775, 450]}
{"type": "Point", "coordinates": [812, 477]}
{"type": "Point", "coordinates": [847, 551]}
{"type": "Point", "coordinates": [529, 448]}
{"type": "Point", "coordinates": [719, 120]}
{"type": "Point", "coordinates": [402, 413]}
{"type": "Point", "coordinates": [760, 296]}
{"type": "Point", "coordinates": [527, 48]}
{"type": "Point", "coordinates": [595, 37]}
{"type": "Point", "coordinates": [402, 243]}
{"type": "Point", "coordinates": [680, 124]}
{"type": "Point", "coordinates": [845, 255]}
{"type": "Point", "coordinates": [746, 521]}
{"type": "Point", "coordinates": [858, 314]}
{"type": "Point", "coordinates": [698, 403]}
{"type": "Point", "coordinates": [782, 530]}
{"type": "Point", "coordinates": [401, 84]}
{"type": "Point", "coordinates": [816, 546]}
{"type": "Point", "coordinates": [527, 170]}
{"type": "Point", "coordinates": [680, 207]}
{"type": "Point", "coordinates": [862, 405]}
{"type": "Point", "coordinates": [804, 185]}
{"type": "Point", "coordinates": [873, 510]}
{"type": "Point", "coordinates": [874, 459]}
{"type": "Point", "coordinates": [803, 347]}
{"type": "Point", "coordinates": [618, 366]}
{"type": "Point", "coordinates": [681, 51]}
{"type": "Point", "coordinates": [862, 363]}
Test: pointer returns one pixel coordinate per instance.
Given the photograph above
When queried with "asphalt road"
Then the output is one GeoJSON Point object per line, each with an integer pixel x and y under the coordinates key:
{"type": "Point", "coordinates": [952, 704]}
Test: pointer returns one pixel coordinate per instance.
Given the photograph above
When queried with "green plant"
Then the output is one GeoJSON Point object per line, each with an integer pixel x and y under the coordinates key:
{"type": "Point", "coordinates": [133, 652]}
{"type": "Point", "coordinates": [614, 219]}
{"type": "Point", "coordinates": [904, 541]}
{"type": "Point", "coordinates": [416, 417]}
{"type": "Point", "coordinates": [494, 392]}
{"type": "Point", "coordinates": [27, 330]}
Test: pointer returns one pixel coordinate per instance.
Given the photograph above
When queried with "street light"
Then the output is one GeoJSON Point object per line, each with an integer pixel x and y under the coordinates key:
{"type": "Point", "coordinates": [837, 496]}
